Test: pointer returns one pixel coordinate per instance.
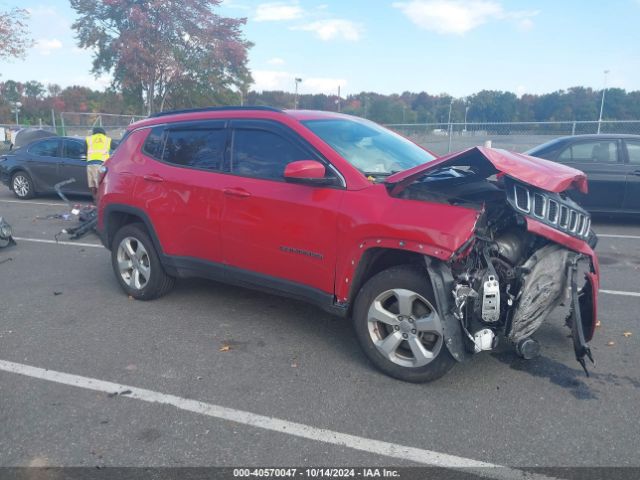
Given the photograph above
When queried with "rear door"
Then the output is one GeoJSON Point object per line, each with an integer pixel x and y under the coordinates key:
{"type": "Point", "coordinates": [282, 232]}
{"type": "Point", "coordinates": [73, 164]}
{"type": "Point", "coordinates": [602, 161]}
{"type": "Point", "coordinates": [180, 187]}
{"type": "Point", "coordinates": [632, 192]}
{"type": "Point", "coordinates": [42, 162]}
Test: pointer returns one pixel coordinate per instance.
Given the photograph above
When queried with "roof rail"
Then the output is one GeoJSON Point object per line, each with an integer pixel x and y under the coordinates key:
{"type": "Point", "coordinates": [214, 109]}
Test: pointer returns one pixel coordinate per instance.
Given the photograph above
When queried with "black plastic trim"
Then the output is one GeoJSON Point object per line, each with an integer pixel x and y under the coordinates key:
{"type": "Point", "coordinates": [185, 267]}
{"type": "Point", "coordinates": [443, 284]}
{"type": "Point", "coordinates": [106, 236]}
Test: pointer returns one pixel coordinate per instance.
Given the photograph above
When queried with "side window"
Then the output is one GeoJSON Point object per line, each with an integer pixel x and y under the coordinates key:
{"type": "Point", "coordinates": [45, 148]}
{"type": "Point", "coordinates": [591, 152]}
{"type": "Point", "coordinates": [263, 154]}
{"type": "Point", "coordinates": [633, 149]}
{"type": "Point", "coordinates": [154, 143]}
{"type": "Point", "coordinates": [75, 150]}
{"type": "Point", "coordinates": [196, 147]}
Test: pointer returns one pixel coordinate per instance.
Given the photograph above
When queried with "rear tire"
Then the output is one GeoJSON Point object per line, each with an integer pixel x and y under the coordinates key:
{"type": "Point", "coordinates": [22, 185]}
{"type": "Point", "coordinates": [398, 326]}
{"type": "Point", "coordinates": [136, 264]}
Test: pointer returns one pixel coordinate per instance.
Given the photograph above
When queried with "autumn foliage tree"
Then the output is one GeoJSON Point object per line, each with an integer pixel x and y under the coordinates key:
{"type": "Point", "coordinates": [158, 49]}
{"type": "Point", "coordinates": [14, 35]}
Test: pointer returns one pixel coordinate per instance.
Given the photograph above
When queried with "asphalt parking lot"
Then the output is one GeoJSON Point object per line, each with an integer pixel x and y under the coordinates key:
{"type": "Point", "coordinates": [223, 376]}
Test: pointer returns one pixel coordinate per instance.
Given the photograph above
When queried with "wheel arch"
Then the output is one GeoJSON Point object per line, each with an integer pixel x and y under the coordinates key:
{"type": "Point", "coordinates": [117, 216]}
{"type": "Point", "coordinates": [373, 261]}
{"type": "Point", "coordinates": [436, 272]}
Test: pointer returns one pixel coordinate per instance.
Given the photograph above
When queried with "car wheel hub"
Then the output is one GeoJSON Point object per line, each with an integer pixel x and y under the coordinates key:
{"type": "Point", "coordinates": [133, 263]}
{"type": "Point", "coordinates": [21, 186]}
{"type": "Point", "coordinates": [405, 328]}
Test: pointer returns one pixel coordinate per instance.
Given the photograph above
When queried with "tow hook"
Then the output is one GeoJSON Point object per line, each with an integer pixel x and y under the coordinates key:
{"type": "Point", "coordinates": [580, 346]}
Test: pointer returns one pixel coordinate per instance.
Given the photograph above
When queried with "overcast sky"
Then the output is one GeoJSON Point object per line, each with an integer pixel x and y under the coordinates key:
{"type": "Point", "coordinates": [457, 47]}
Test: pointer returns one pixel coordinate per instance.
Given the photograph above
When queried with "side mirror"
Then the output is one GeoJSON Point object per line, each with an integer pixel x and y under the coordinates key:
{"type": "Point", "coordinates": [309, 172]}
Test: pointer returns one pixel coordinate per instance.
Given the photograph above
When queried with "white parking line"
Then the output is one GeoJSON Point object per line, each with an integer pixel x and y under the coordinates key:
{"type": "Point", "coordinates": [392, 450]}
{"type": "Point", "coordinates": [29, 202]}
{"type": "Point", "coordinates": [610, 235]}
{"type": "Point", "coordinates": [618, 292]}
{"type": "Point", "coordinates": [73, 244]}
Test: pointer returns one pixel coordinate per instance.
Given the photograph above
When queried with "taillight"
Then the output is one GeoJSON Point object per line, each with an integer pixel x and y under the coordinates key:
{"type": "Point", "coordinates": [102, 172]}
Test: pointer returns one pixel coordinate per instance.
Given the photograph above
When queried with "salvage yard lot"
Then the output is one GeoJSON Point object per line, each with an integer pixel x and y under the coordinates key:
{"type": "Point", "coordinates": [62, 310]}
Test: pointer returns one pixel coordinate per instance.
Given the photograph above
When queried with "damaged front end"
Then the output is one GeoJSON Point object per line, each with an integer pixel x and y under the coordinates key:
{"type": "Point", "coordinates": [531, 250]}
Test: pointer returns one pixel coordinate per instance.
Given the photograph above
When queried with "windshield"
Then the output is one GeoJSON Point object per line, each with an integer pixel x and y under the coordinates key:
{"type": "Point", "coordinates": [370, 148]}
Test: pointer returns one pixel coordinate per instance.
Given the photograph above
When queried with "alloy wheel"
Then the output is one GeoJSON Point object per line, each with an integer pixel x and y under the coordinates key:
{"type": "Point", "coordinates": [21, 185]}
{"type": "Point", "coordinates": [405, 328]}
{"type": "Point", "coordinates": [133, 263]}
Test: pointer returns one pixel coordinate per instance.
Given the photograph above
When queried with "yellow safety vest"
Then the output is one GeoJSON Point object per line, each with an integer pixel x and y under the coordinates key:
{"type": "Point", "coordinates": [98, 147]}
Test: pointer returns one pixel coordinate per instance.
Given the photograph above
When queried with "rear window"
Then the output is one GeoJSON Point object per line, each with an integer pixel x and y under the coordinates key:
{"type": "Point", "coordinates": [153, 144]}
{"type": "Point", "coordinates": [197, 147]}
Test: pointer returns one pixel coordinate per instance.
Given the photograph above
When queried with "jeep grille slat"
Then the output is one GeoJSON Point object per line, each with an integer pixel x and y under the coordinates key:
{"type": "Point", "coordinates": [523, 200]}
{"type": "Point", "coordinates": [552, 214]}
{"type": "Point", "coordinates": [551, 209]}
{"type": "Point", "coordinates": [539, 205]}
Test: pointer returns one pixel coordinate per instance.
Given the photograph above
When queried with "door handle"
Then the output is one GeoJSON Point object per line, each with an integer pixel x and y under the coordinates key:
{"type": "Point", "coordinates": [636, 172]}
{"type": "Point", "coordinates": [236, 192]}
{"type": "Point", "coordinates": [153, 178]}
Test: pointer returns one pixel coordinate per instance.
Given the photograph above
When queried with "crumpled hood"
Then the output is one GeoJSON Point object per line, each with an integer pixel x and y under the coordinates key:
{"type": "Point", "coordinates": [538, 172]}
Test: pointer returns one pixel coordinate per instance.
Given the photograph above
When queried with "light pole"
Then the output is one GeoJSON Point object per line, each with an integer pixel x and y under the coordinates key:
{"type": "Point", "coordinates": [602, 102]}
{"type": "Point", "coordinates": [449, 123]}
{"type": "Point", "coordinates": [295, 101]}
{"type": "Point", "coordinates": [466, 111]}
{"type": "Point", "coordinates": [15, 108]}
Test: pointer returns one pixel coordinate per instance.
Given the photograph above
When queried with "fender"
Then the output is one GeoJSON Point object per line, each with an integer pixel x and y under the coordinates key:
{"type": "Point", "coordinates": [347, 269]}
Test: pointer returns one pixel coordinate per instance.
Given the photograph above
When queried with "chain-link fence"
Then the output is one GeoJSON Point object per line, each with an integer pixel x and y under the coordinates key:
{"type": "Point", "coordinates": [73, 124]}
{"type": "Point", "coordinates": [441, 138]}
{"type": "Point", "coordinates": [77, 124]}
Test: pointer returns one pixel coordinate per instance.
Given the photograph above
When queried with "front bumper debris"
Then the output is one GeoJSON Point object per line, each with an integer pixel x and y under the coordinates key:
{"type": "Point", "coordinates": [582, 316]}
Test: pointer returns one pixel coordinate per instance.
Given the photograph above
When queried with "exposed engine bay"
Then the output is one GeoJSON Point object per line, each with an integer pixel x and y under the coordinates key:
{"type": "Point", "coordinates": [506, 279]}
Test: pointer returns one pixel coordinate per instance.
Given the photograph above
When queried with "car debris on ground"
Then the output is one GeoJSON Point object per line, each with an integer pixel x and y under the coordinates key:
{"type": "Point", "coordinates": [87, 215]}
{"type": "Point", "coordinates": [6, 234]}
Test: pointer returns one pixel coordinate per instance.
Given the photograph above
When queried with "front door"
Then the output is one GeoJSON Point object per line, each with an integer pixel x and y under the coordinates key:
{"type": "Point", "coordinates": [42, 159]}
{"type": "Point", "coordinates": [282, 231]}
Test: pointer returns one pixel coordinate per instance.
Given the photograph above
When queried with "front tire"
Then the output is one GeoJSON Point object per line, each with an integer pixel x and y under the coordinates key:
{"type": "Point", "coordinates": [398, 326]}
{"type": "Point", "coordinates": [22, 185]}
{"type": "Point", "coordinates": [136, 264]}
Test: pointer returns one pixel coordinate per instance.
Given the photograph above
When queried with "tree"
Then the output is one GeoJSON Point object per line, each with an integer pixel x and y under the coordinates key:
{"type": "Point", "coordinates": [14, 34]}
{"type": "Point", "coordinates": [34, 89]}
{"type": "Point", "coordinates": [162, 47]}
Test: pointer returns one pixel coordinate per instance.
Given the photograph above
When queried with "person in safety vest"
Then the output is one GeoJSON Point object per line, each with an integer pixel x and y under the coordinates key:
{"type": "Point", "coordinates": [98, 149]}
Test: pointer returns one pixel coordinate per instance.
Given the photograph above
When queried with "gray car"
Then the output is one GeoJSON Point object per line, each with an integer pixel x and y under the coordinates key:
{"type": "Point", "coordinates": [612, 164]}
{"type": "Point", "coordinates": [35, 168]}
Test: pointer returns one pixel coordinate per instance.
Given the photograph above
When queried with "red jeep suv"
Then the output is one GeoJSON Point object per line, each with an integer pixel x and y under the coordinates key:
{"type": "Point", "coordinates": [434, 259]}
